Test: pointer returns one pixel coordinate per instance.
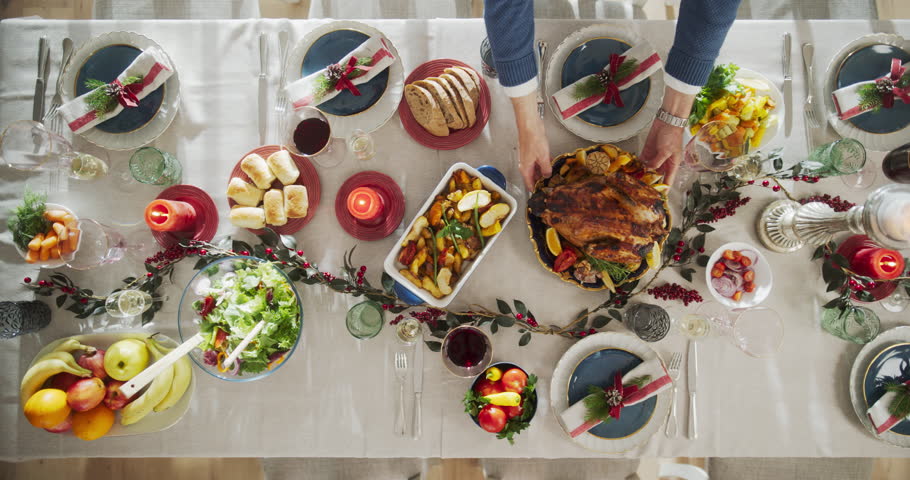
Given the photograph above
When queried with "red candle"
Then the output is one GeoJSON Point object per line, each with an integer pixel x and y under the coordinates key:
{"type": "Point", "coordinates": [170, 216]}
{"type": "Point", "coordinates": [878, 263]}
{"type": "Point", "coordinates": [365, 205]}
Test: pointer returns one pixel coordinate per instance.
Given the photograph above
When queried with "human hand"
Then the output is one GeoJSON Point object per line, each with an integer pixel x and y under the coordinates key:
{"type": "Point", "coordinates": [533, 148]}
{"type": "Point", "coordinates": [663, 149]}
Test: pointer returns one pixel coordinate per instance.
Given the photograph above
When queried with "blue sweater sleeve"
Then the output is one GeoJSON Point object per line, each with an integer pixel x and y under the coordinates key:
{"type": "Point", "coordinates": [510, 28]}
{"type": "Point", "coordinates": [700, 31]}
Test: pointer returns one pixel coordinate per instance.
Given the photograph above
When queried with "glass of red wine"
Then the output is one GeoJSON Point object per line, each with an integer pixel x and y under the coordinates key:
{"type": "Point", "coordinates": [311, 135]}
{"type": "Point", "coordinates": [467, 351]}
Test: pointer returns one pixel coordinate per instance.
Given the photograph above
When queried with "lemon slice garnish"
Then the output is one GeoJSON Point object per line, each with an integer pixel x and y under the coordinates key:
{"type": "Point", "coordinates": [653, 257]}
{"type": "Point", "coordinates": [479, 198]}
{"type": "Point", "coordinates": [553, 243]}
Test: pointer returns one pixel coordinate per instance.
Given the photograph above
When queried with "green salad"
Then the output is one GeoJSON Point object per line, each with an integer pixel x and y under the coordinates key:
{"type": "Point", "coordinates": [232, 304]}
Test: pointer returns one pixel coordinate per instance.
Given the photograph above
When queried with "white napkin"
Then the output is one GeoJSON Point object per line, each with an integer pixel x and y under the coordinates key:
{"type": "Point", "coordinates": [301, 92]}
{"type": "Point", "coordinates": [574, 417]}
{"type": "Point", "coordinates": [878, 413]}
{"type": "Point", "coordinates": [648, 63]}
{"type": "Point", "coordinates": [847, 100]}
{"type": "Point", "coordinates": [154, 67]}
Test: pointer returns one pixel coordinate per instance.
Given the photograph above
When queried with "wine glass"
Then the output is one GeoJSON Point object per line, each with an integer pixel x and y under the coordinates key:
{"type": "Point", "coordinates": [29, 146]}
{"type": "Point", "coordinates": [99, 245]}
{"type": "Point", "coordinates": [310, 134]}
{"type": "Point", "coordinates": [897, 301]}
{"type": "Point", "coordinates": [848, 158]}
{"type": "Point", "coordinates": [757, 331]}
{"type": "Point", "coordinates": [467, 351]}
{"type": "Point", "coordinates": [127, 303]}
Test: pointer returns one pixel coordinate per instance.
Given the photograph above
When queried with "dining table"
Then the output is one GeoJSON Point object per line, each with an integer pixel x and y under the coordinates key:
{"type": "Point", "coordinates": [337, 396]}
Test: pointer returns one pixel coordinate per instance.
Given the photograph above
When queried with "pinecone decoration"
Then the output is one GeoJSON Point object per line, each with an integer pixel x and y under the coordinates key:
{"type": "Point", "coordinates": [334, 72]}
{"type": "Point", "coordinates": [112, 90]}
{"type": "Point", "coordinates": [884, 86]}
{"type": "Point", "coordinates": [614, 398]}
{"type": "Point", "coordinates": [598, 162]}
{"type": "Point", "coordinates": [604, 76]}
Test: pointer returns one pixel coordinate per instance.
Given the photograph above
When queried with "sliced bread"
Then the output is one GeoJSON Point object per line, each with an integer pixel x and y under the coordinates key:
{"type": "Point", "coordinates": [450, 91]}
{"type": "Point", "coordinates": [463, 98]}
{"type": "Point", "coordinates": [425, 110]}
{"type": "Point", "coordinates": [473, 74]}
{"type": "Point", "coordinates": [466, 81]}
{"type": "Point", "coordinates": [449, 111]}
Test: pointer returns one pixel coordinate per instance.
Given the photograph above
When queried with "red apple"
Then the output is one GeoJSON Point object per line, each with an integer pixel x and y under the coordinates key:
{"type": "Point", "coordinates": [114, 399]}
{"type": "Point", "coordinates": [64, 425]}
{"type": "Point", "coordinates": [492, 418]}
{"type": "Point", "coordinates": [85, 394]}
{"type": "Point", "coordinates": [486, 387]}
{"type": "Point", "coordinates": [93, 360]}
{"type": "Point", "coordinates": [63, 381]}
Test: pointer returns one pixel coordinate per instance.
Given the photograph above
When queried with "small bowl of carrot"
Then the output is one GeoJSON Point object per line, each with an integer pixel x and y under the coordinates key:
{"type": "Point", "coordinates": [61, 239]}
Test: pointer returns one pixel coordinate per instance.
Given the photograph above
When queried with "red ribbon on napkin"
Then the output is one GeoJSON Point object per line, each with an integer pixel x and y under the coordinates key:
{"type": "Point", "coordinates": [612, 93]}
{"type": "Point", "coordinates": [126, 94]}
{"type": "Point", "coordinates": [897, 71]}
{"type": "Point", "coordinates": [344, 83]}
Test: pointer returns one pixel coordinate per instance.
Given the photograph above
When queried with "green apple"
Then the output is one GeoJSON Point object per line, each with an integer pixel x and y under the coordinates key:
{"type": "Point", "coordinates": [125, 359]}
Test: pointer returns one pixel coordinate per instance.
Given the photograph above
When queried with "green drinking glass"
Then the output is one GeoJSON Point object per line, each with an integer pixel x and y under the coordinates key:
{"type": "Point", "coordinates": [365, 319]}
{"type": "Point", "coordinates": [855, 324]}
{"type": "Point", "coordinates": [155, 167]}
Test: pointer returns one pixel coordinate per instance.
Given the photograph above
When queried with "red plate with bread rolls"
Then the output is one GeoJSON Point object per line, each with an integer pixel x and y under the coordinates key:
{"type": "Point", "coordinates": [446, 104]}
{"type": "Point", "coordinates": [272, 187]}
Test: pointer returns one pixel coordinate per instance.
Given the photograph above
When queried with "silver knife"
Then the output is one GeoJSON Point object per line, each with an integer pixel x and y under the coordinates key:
{"type": "Point", "coordinates": [693, 383]}
{"type": "Point", "coordinates": [41, 80]}
{"type": "Point", "coordinates": [418, 388]}
{"type": "Point", "coordinates": [788, 86]}
{"type": "Point", "coordinates": [541, 55]}
{"type": "Point", "coordinates": [263, 87]}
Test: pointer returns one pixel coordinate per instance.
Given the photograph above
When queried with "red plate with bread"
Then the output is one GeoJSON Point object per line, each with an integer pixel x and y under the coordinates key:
{"type": "Point", "coordinates": [272, 187]}
{"type": "Point", "coordinates": [446, 104]}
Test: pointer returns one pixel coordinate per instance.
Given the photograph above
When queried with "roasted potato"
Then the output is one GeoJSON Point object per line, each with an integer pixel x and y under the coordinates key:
{"type": "Point", "coordinates": [442, 281]}
{"type": "Point", "coordinates": [494, 214]}
{"type": "Point", "coordinates": [411, 278]}
{"type": "Point", "coordinates": [430, 286]}
{"type": "Point", "coordinates": [419, 224]}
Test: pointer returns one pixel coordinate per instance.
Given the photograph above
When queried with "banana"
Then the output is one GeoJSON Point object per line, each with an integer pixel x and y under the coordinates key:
{"type": "Point", "coordinates": [152, 396]}
{"type": "Point", "coordinates": [46, 368]}
{"type": "Point", "coordinates": [72, 344]}
{"type": "Point", "coordinates": [183, 373]}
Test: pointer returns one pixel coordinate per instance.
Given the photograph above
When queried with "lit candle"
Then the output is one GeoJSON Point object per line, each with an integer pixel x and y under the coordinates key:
{"type": "Point", "coordinates": [365, 205]}
{"type": "Point", "coordinates": [878, 263]}
{"type": "Point", "coordinates": [170, 216]}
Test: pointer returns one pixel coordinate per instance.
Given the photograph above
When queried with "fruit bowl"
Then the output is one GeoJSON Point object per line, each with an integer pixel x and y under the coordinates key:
{"type": "Point", "coordinates": [154, 421]}
{"type": "Point", "coordinates": [225, 300]}
{"type": "Point", "coordinates": [516, 418]}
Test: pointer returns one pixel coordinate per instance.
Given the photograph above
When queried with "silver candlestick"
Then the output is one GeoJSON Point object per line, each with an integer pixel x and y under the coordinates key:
{"type": "Point", "coordinates": [786, 226]}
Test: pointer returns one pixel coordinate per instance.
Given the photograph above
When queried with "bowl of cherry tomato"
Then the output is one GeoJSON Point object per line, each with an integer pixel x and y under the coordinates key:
{"type": "Point", "coordinates": [738, 275]}
{"type": "Point", "coordinates": [502, 400]}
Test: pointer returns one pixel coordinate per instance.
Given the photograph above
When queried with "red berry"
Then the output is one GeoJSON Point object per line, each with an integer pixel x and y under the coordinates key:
{"type": "Point", "coordinates": [149, 274]}
{"type": "Point", "coordinates": [701, 250]}
{"type": "Point", "coordinates": [27, 279]}
{"type": "Point", "coordinates": [776, 188]}
{"type": "Point", "coordinates": [751, 182]}
{"type": "Point", "coordinates": [765, 183]}
{"type": "Point", "coordinates": [299, 253]}
{"type": "Point", "coordinates": [805, 178]}
{"type": "Point", "coordinates": [306, 264]}
{"type": "Point", "coordinates": [83, 300]}
{"type": "Point", "coordinates": [676, 258]}
{"type": "Point", "coordinates": [268, 251]}
{"type": "Point", "coordinates": [795, 179]}
{"type": "Point", "coordinates": [680, 243]}
{"type": "Point", "coordinates": [679, 250]}
{"type": "Point", "coordinates": [815, 179]}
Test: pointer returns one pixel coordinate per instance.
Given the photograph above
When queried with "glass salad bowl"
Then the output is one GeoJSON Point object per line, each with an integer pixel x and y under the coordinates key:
{"type": "Point", "coordinates": [225, 301]}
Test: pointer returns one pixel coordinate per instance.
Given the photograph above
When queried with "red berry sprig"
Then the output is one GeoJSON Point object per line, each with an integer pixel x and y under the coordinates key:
{"type": "Point", "coordinates": [672, 291]}
{"type": "Point", "coordinates": [728, 210]}
{"type": "Point", "coordinates": [836, 203]}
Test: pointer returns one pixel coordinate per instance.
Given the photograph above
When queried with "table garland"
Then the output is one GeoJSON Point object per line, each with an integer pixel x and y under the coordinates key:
{"type": "Point", "coordinates": [705, 204]}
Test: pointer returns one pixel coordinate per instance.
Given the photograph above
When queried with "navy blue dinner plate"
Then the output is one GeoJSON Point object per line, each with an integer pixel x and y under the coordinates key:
{"type": "Point", "coordinates": [891, 365]}
{"type": "Point", "coordinates": [329, 49]}
{"type": "Point", "coordinates": [105, 64]}
{"type": "Point", "coordinates": [869, 63]}
{"type": "Point", "coordinates": [599, 368]}
{"type": "Point", "coordinates": [590, 58]}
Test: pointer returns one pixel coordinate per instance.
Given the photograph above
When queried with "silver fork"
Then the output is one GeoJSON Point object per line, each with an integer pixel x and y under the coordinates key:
{"type": "Point", "coordinates": [56, 124]}
{"type": "Point", "coordinates": [811, 116]}
{"type": "Point", "coordinates": [401, 371]}
{"type": "Point", "coordinates": [281, 104]}
{"type": "Point", "coordinates": [673, 369]}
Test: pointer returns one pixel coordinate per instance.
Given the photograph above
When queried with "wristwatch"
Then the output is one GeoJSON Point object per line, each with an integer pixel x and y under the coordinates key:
{"type": "Point", "coordinates": [671, 120]}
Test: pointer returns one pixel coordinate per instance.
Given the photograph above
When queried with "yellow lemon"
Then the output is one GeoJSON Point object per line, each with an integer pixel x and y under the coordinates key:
{"type": "Point", "coordinates": [553, 243]}
{"type": "Point", "coordinates": [494, 374]}
{"type": "Point", "coordinates": [47, 408]}
{"type": "Point", "coordinates": [504, 399]}
{"type": "Point", "coordinates": [93, 424]}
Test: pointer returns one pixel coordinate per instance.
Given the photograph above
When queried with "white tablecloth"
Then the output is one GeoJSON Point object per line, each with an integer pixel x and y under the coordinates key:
{"type": "Point", "coordinates": [337, 396]}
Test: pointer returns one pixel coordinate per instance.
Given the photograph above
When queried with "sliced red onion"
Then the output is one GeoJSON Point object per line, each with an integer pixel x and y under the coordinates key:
{"type": "Point", "coordinates": [210, 357]}
{"type": "Point", "coordinates": [734, 265]}
{"type": "Point", "coordinates": [724, 286]}
{"type": "Point", "coordinates": [737, 279]}
{"type": "Point", "coordinates": [236, 368]}
{"type": "Point", "coordinates": [751, 255]}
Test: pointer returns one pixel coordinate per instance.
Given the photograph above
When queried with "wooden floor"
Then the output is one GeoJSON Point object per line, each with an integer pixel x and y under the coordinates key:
{"type": "Point", "coordinates": [249, 468]}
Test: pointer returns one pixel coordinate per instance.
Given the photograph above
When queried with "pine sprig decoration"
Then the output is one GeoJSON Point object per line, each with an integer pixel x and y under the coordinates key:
{"type": "Point", "coordinates": [103, 98]}
{"type": "Point", "coordinates": [598, 408]}
{"type": "Point", "coordinates": [325, 83]}
{"type": "Point", "coordinates": [900, 406]}
{"type": "Point", "coordinates": [869, 97]}
{"type": "Point", "coordinates": [595, 85]}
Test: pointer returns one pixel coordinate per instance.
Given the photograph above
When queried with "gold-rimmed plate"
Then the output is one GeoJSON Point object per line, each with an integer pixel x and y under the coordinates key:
{"type": "Point", "coordinates": [871, 352]}
{"type": "Point", "coordinates": [346, 112]}
{"type": "Point", "coordinates": [563, 163]}
{"type": "Point", "coordinates": [103, 58]}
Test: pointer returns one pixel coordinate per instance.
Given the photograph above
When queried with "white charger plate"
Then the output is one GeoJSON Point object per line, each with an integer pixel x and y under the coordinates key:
{"type": "Point", "coordinates": [374, 116]}
{"type": "Point", "coordinates": [154, 421]}
{"type": "Point", "coordinates": [877, 142]}
{"type": "Point", "coordinates": [858, 372]}
{"type": "Point", "coordinates": [563, 371]}
{"type": "Point", "coordinates": [144, 134]}
{"type": "Point", "coordinates": [763, 276]}
{"type": "Point", "coordinates": [631, 127]}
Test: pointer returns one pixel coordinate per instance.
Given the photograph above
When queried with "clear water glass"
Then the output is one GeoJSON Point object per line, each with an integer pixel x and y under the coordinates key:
{"type": "Point", "coordinates": [650, 322]}
{"type": "Point", "coordinates": [857, 324]}
{"type": "Point", "coordinates": [30, 146]}
{"type": "Point", "coordinates": [694, 326]}
{"type": "Point", "coordinates": [408, 331]}
{"type": "Point", "coordinates": [127, 303]}
{"type": "Point", "coordinates": [361, 145]}
{"type": "Point", "coordinates": [365, 319]}
{"type": "Point", "coordinates": [98, 245]}
{"type": "Point", "coordinates": [757, 331]}
{"type": "Point", "coordinates": [155, 167]}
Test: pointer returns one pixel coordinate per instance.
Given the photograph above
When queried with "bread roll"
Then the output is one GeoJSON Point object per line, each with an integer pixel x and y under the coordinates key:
{"type": "Point", "coordinates": [466, 81]}
{"type": "Point", "coordinates": [283, 166]}
{"type": "Point", "coordinates": [463, 97]}
{"type": "Point", "coordinates": [243, 193]}
{"type": "Point", "coordinates": [453, 119]}
{"type": "Point", "coordinates": [425, 110]}
{"type": "Point", "coordinates": [248, 217]}
{"type": "Point", "coordinates": [258, 171]}
{"type": "Point", "coordinates": [296, 201]}
{"type": "Point", "coordinates": [273, 204]}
